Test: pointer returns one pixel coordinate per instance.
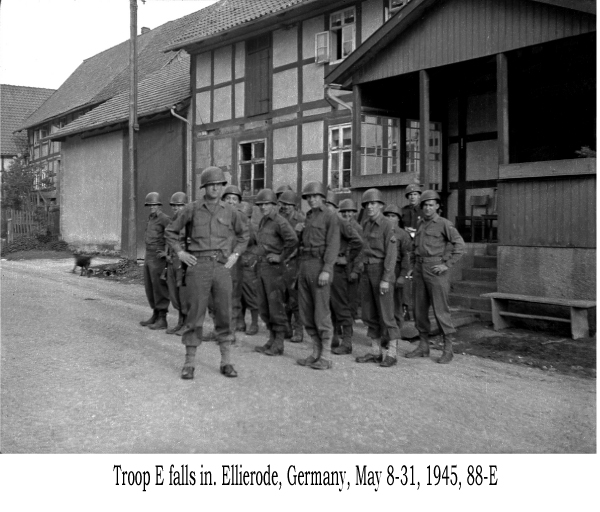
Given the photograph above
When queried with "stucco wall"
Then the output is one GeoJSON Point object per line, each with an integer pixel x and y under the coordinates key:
{"type": "Point", "coordinates": [547, 272]}
{"type": "Point", "coordinates": [91, 192]}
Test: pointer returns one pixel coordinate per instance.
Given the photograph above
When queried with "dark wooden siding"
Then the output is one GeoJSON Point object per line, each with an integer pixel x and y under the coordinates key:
{"type": "Point", "coordinates": [554, 212]}
{"type": "Point", "coordinates": [258, 75]}
{"type": "Point", "coordinates": [459, 30]}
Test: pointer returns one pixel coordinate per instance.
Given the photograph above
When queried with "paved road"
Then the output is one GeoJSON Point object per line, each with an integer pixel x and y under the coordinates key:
{"type": "Point", "coordinates": [79, 375]}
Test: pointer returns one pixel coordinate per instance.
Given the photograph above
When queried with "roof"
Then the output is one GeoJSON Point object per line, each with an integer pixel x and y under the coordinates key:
{"type": "Point", "coordinates": [107, 74]}
{"type": "Point", "coordinates": [157, 93]}
{"type": "Point", "coordinates": [227, 14]}
{"type": "Point", "coordinates": [16, 104]}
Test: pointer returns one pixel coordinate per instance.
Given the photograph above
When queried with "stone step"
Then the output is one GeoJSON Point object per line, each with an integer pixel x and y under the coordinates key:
{"type": "Point", "coordinates": [470, 302]}
{"type": "Point", "coordinates": [485, 262]}
{"type": "Point", "coordinates": [481, 315]}
{"type": "Point", "coordinates": [491, 249]}
{"type": "Point", "coordinates": [480, 274]}
{"type": "Point", "coordinates": [473, 287]}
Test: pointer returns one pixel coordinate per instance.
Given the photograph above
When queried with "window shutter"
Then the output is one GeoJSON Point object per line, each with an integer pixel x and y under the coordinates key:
{"type": "Point", "coordinates": [347, 40]}
{"type": "Point", "coordinates": [258, 76]}
{"type": "Point", "coordinates": [321, 47]}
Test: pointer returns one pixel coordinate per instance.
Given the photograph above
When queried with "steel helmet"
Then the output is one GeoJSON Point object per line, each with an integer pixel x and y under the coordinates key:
{"type": "Point", "coordinates": [372, 195]}
{"type": "Point", "coordinates": [266, 195]}
{"type": "Point", "coordinates": [392, 208]}
{"type": "Point", "coordinates": [430, 194]}
{"type": "Point", "coordinates": [178, 198]}
{"type": "Point", "coordinates": [212, 175]}
{"type": "Point", "coordinates": [332, 198]}
{"type": "Point", "coordinates": [152, 199]}
{"type": "Point", "coordinates": [348, 205]}
{"type": "Point", "coordinates": [232, 189]}
{"type": "Point", "coordinates": [283, 188]}
{"type": "Point", "coordinates": [246, 208]}
{"type": "Point", "coordinates": [314, 187]}
{"type": "Point", "coordinates": [413, 187]}
{"type": "Point", "coordinates": [288, 197]}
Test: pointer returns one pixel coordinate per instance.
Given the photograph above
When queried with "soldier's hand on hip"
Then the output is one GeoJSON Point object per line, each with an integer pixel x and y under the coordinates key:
{"type": "Point", "coordinates": [187, 258]}
{"type": "Point", "coordinates": [400, 281]}
{"type": "Point", "coordinates": [323, 278]}
{"type": "Point", "coordinates": [273, 258]}
{"type": "Point", "coordinates": [384, 287]}
{"type": "Point", "coordinates": [232, 260]}
{"type": "Point", "coordinates": [439, 269]}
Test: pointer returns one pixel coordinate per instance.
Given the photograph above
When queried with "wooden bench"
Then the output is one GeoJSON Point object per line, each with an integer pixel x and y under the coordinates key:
{"type": "Point", "coordinates": [579, 311]}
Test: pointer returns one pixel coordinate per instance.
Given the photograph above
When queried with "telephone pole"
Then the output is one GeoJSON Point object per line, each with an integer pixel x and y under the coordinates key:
{"type": "Point", "coordinates": [133, 128]}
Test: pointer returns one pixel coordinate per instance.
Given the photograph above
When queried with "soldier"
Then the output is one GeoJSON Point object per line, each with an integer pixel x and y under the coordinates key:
{"type": "Point", "coordinates": [217, 236]}
{"type": "Point", "coordinates": [411, 215]}
{"type": "Point", "coordinates": [403, 266]}
{"type": "Point", "coordinates": [438, 246]}
{"type": "Point", "coordinates": [249, 274]}
{"type": "Point", "coordinates": [174, 271]}
{"type": "Point", "coordinates": [281, 189]}
{"type": "Point", "coordinates": [348, 212]}
{"type": "Point", "coordinates": [233, 196]}
{"type": "Point", "coordinates": [320, 246]}
{"type": "Point", "coordinates": [287, 209]}
{"type": "Point", "coordinates": [276, 240]}
{"type": "Point", "coordinates": [377, 285]}
{"type": "Point", "coordinates": [155, 263]}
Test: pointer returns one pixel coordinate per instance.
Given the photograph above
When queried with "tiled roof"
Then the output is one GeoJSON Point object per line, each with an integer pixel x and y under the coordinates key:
{"type": "Point", "coordinates": [16, 104]}
{"type": "Point", "coordinates": [227, 14]}
{"type": "Point", "coordinates": [107, 74]}
{"type": "Point", "coordinates": [157, 93]}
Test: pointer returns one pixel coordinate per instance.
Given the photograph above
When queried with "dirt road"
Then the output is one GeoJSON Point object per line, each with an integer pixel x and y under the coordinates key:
{"type": "Point", "coordinates": [79, 375]}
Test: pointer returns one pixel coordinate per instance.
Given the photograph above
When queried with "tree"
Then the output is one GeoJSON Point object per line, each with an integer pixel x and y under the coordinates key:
{"type": "Point", "coordinates": [19, 182]}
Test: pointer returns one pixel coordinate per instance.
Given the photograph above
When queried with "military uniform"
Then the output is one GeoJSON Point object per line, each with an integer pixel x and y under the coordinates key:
{"type": "Point", "coordinates": [250, 282]}
{"type": "Point", "coordinates": [175, 284]}
{"type": "Point", "coordinates": [354, 277]}
{"type": "Point", "coordinates": [411, 215]}
{"type": "Point", "coordinates": [403, 266]}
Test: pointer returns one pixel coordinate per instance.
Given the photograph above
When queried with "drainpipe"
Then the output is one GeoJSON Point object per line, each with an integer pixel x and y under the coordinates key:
{"type": "Point", "coordinates": [188, 151]}
{"type": "Point", "coordinates": [330, 97]}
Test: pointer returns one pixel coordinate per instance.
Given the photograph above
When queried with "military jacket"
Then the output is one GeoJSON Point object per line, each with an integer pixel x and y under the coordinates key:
{"type": "Point", "coordinates": [155, 229]}
{"type": "Point", "coordinates": [321, 236]}
{"type": "Point", "coordinates": [275, 236]}
{"type": "Point", "coordinates": [351, 245]}
{"type": "Point", "coordinates": [405, 247]}
{"type": "Point", "coordinates": [411, 216]}
{"type": "Point", "coordinates": [439, 238]}
{"type": "Point", "coordinates": [380, 245]}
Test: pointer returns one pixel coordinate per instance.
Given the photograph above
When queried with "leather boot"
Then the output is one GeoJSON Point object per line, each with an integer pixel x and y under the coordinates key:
{"type": "Point", "coordinates": [150, 320]}
{"type": "Point", "coordinates": [423, 349]}
{"type": "Point", "coordinates": [276, 349]}
{"type": "Point", "coordinates": [324, 361]}
{"type": "Point", "coordinates": [183, 327]}
{"type": "Point", "coordinates": [335, 341]}
{"type": "Point", "coordinates": [240, 324]}
{"type": "Point", "coordinates": [180, 320]}
{"type": "Point", "coordinates": [253, 329]}
{"type": "Point", "coordinates": [346, 346]}
{"type": "Point", "coordinates": [267, 345]}
{"type": "Point", "coordinates": [375, 356]}
{"type": "Point", "coordinates": [187, 372]}
{"type": "Point", "coordinates": [161, 321]}
{"type": "Point", "coordinates": [316, 353]}
{"type": "Point", "coordinates": [298, 334]}
{"type": "Point", "coordinates": [391, 357]}
{"type": "Point", "coordinates": [448, 353]}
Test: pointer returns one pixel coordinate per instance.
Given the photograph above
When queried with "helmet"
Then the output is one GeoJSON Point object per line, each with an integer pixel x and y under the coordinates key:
{"type": "Point", "coordinates": [266, 195]}
{"type": "Point", "coordinates": [152, 198]}
{"type": "Point", "coordinates": [332, 198]}
{"type": "Point", "coordinates": [392, 208]}
{"type": "Point", "coordinates": [372, 195]}
{"type": "Point", "coordinates": [348, 205]}
{"type": "Point", "coordinates": [413, 187]}
{"type": "Point", "coordinates": [288, 197]}
{"type": "Point", "coordinates": [212, 175]}
{"type": "Point", "coordinates": [283, 188]}
{"type": "Point", "coordinates": [246, 208]}
{"type": "Point", "coordinates": [178, 198]}
{"type": "Point", "coordinates": [430, 194]}
{"type": "Point", "coordinates": [314, 187]}
{"type": "Point", "coordinates": [232, 189]}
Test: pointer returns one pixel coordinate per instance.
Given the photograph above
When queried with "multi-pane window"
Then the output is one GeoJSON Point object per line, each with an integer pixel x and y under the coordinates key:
{"type": "Point", "coordinates": [340, 156]}
{"type": "Point", "coordinates": [252, 167]}
{"type": "Point", "coordinates": [393, 6]}
{"type": "Point", "coordinates": [340, 40]}
{"type": "Point", "coordinates": [435, 149]}
{"type": "Point", "coordinates": [380, 145]}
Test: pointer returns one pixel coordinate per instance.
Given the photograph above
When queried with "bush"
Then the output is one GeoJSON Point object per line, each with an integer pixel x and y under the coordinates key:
{"type": "Point", "coordinates": [43, 242]}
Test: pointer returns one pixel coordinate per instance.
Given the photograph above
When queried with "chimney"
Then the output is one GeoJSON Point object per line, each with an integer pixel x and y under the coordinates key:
{"type": "Point", "coordinates": [145, 29]}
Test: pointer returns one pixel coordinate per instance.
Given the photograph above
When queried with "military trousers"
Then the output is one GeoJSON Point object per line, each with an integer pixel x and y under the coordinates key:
{"type": "Point", "coordinates": [377, 308]}
{"type": "Point", "coordinates": [174, 285]}
{"type": "Point", "coordinates": [399, 294]}
{"type": "Point", "coordinates": [354, 296]}
{"type": "Point", "coordinates": [291, 291]}
{"type": "Point", "coordinates": [314, 299]}
{"type": "Point", "coordinates": [340, 303]}
{"type": "Point", "coordinates": [236, 290]}
{"type": "Point", "coordinates": [207, 281]}
{"type": "Point", "coordinates": [271, 295]}
{"type": "Point", "coordinates": [431, 290]}
{"type": "Point", "coordinates": [157, 291]}
{"type": "Point", "coordinates": [249, 288]}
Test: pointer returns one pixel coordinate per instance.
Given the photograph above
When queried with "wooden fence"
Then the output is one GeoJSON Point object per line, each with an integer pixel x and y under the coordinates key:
{"type": "Point", "coordinates": [20, 223]}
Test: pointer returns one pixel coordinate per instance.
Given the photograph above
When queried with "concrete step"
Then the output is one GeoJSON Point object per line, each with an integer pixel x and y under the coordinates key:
{"type": "Point", "coordinates": [485, 262]}
{"type": "Point", "coordinates": [480, 274]}
{"type": "Point", "coordinates": [470, 302]}
{"type": "Point", "coordinates": [473, 287]}
{"type": "Point", "coordinates": [480, 315]}
{"type": "Point", "coordinates": [491, 249]}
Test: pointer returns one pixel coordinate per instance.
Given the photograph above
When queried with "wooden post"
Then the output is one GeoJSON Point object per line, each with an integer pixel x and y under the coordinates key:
{"type": "Point", "coordinates": [424, 114]}
{"type": "Point", "coordinates": [132, 217]}
{"type": "Point", "coordinates": [502, 108]}
{"type": "Point", "coordinates": [356, 130]}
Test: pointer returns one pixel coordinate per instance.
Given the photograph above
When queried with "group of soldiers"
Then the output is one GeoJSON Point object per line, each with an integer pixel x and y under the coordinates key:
{"type": "Point", "coordinates": [300, 272]}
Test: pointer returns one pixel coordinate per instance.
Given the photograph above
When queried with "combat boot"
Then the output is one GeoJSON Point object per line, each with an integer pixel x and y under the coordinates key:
{"type": "Point", "coordinates": [423, 349]}
{"type": "Point", "coordinates": [324, 361]}
{"type": "Point", "coordinates": [298, 335]}
{"type": "Point", "coordinates": [183, 327]}
{"type": "Point", "coordinates": [240, 324]}
{"type": "Point", "coordinates": [448, 353]}
{"type": "Point", "coordinates": [346, 346]}
{"type": "Point", "coordinates": [276, 349]}
{"type": "Point", "coordinates": [391, 357]}
{"type": "Point", "coordinates": [150, 320]}
{"type": "Point", "coordinates": [187, 372]}
{"type": "Point", "coordinates": [335, 341]}
{"type": "Point", "coordinates": [267, 345]}
{"type": "Point", "coordinates": [373, 357]}
{"type": "Point", "coordinates": [253, 329]}
{"type": "Point", "coordinates": [180, 320]}
{"type": "Point", "coordinates": [161, 321]}
{"type": "Point", "coordinates": [316, 353]}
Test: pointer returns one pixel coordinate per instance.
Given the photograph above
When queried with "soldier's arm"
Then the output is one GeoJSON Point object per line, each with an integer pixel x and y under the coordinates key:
{"type": "Point", "coordinates": [290, 239]}
{"type": "Point", "coordinates": [175, 227]}
{"type": "Point", "coordinates": [456, 242]}
{"type": "Point", "coordinates": [405, 248]}
{"type": "Point", "coordinates": [332, 244]}
{"type": "Point", "coordinates": [391, 254]}
{"type": "Point", "coordinates": [355, 242]}
{"type": "Point", "coordinates": [242, 234]}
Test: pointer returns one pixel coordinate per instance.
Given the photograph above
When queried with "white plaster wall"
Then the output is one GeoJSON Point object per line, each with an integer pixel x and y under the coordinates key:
{"type": "Point", "coordinates": [312, 138]}
{"type": "Point", "coordinates": [372, 17]}
{"type": "Point", "coordinates": [309, 29]}
{"type": "Point", "coordinates": [222, 104]}
{"type": "Point", "coordinates": [285, 46]}
{"type": "Point", "coordinates": [92, 192]}
{"type": "Point", "coordinates": [285, 88]}
{"type": "Point", "coordinates": [203, 107]}
{"type": "Point", "coordinates": [312, 82]}
{"type": "Point", "coordinates": [284, 174]}
{"type": "Point", "coordinates": [240, 59]}
{"type": "Point", "coordinates": [203, 78]}
{"type": "Point", "coordinates": [285, 143]}
{"type": "Point", "coordinates": [223, 64]}
{"type": "Point", "coordinates": [222, 153]}
{"type": "Point", "coordinates": [240, 96]}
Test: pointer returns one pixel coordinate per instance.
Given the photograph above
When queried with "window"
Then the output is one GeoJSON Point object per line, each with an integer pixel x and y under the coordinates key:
{"type": "Point", "coordinates": [340, 156]}
{"type": "Point", "coordinates": [393, 6]}
{"type": "Point", "coordinates": [252, 167]}
{"type": "Point", "coordinates": [258, 75]}
{"type": "Point", "coordinates": [340, 40]}
{"type": "Point", "coordinates": [435, 150]}
{"type": "Point", "coordinates": [380, 145]}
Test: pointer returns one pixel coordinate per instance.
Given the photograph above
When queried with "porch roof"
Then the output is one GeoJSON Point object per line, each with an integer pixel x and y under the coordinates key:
{"type": "Point", "coordinates": [443, 23]}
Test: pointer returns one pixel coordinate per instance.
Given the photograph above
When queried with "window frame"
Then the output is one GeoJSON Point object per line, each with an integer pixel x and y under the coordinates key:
{"type": "Point", "coordinates": [328, 40]}
{"type": "Point", "coordinates": [340, 151]}
{"type": "Point", "coordinates": [253, 162]}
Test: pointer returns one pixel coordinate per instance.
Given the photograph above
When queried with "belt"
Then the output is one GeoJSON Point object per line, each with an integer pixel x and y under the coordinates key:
{"type": "Point", "coordinates": [428, 259]}
{"type": "Point", "coordinates": [206, 255]}
{"type": "Point", "coordinates": [374, 261]}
